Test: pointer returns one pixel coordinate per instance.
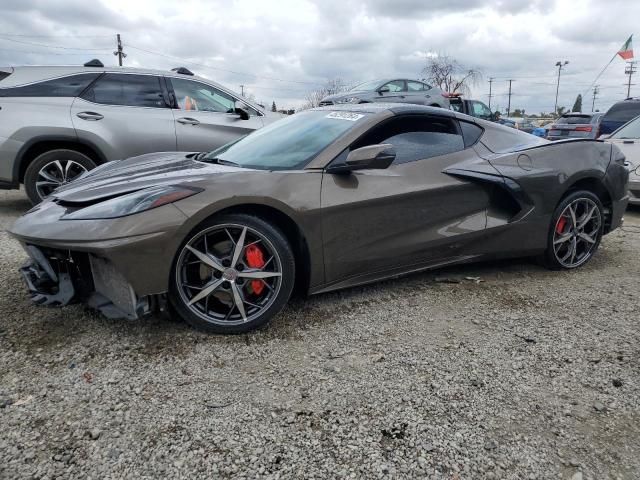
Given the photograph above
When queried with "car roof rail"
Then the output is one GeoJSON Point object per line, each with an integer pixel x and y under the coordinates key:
{"type": "Point", "coordinates": [94, 63]}
{"type": "Point", "coordinates": [182, 71]}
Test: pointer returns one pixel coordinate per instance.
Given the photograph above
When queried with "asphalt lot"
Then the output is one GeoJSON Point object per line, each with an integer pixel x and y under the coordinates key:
{"type": "Point", "coordinates": [511, 372]}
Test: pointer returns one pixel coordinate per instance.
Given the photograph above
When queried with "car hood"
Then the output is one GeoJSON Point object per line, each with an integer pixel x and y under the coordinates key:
{"type": "Point", "coordinates": [124, 176]}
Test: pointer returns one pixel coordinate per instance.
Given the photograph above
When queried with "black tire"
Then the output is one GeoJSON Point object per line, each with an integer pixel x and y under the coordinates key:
{"type": "Point", "coordinates": [78, 160]}
{"type": "Point", "coordinates": [274, 240]}
{"type": "Point", "coordinates": [552, 257]}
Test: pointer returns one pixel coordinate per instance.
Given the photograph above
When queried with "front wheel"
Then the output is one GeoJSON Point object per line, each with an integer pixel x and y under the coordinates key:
{"type": "Point", "coordinates": [53, 169]}
{"type": "Point", "coordinates": [232, 275]}
{"type": "Point", "coordinates": [576, 229]}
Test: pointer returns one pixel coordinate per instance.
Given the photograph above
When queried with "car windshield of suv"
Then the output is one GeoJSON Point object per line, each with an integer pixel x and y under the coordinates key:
{"type": "Point", "coordinates": [367, 86]}
{"type": "Point", "coordinates": [287, 144]}
{"type": "Point", "coordinates": [574, 119]}
{"type": "Point", "coordinates": [630, 130]}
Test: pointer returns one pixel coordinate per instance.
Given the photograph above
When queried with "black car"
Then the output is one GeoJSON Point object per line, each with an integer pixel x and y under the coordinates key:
{"type": "Point", "coordinates": [618, 115]}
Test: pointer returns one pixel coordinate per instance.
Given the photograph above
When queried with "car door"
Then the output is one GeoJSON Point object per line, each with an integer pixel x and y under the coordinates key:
{"type": "Point", "coordinates": [628, 140]}
{"type": "Point", "coordinates": [419, 93]}
{"type": "Point", "coordinates": [397, 92]}
{"type": "Point", "coordinates": [408, 215]}
{"type": "Point", "coordinates": [204, 116]}
{"type": "Point", "coordinates": [125, 115]}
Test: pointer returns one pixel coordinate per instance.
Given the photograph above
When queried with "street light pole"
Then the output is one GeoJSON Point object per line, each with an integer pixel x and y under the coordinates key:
{"type": "Point", "coordinates": [559, 65]}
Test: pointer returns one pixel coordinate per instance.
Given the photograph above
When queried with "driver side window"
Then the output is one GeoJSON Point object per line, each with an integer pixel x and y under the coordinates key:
{"type": "Point", "coordinates": [416, 137]}
{"type": "Point", "coordinates": [200, 97]}
{"type": "Point", "coordinates": [396, 86]}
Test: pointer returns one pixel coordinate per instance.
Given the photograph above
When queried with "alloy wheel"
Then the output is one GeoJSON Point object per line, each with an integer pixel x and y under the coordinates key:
{"type": "Point", "coordinates": [229, 274]}
{"type": "Point", "coordinates": [576, 232]}
{"type": "Point", "coordinates": [55, 174]}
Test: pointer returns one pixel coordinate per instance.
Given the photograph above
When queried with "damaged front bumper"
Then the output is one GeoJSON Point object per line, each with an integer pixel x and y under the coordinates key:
{"type": "Point", "coordinates": [60, 277]}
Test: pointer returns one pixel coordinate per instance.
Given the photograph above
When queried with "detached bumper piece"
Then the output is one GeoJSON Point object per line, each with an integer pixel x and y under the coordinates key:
{"type": "Point", "coordinates": [58, 278]}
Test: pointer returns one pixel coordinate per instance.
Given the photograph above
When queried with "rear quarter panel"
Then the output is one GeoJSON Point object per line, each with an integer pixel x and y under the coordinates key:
{"type": "Point", "coordinates": [547, 171]}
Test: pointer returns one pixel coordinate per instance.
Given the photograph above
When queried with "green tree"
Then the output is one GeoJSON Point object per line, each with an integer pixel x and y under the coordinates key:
{"type": "Point", "coordinates": [577, 106]}
{"type": "Point", "coordinates": [273, 107]}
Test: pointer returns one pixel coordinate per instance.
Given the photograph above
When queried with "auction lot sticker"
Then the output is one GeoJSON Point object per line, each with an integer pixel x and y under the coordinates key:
{"type": "Point", "coordinates": [352, 117]}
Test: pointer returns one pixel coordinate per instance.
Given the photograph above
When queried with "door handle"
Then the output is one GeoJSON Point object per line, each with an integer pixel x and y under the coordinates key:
{"type": "Point", "coordinates": [91, 116]}
{"type": "Point", "coordinates": [188, 121]}
{"type": "Point", "coordinates": [628, 142]}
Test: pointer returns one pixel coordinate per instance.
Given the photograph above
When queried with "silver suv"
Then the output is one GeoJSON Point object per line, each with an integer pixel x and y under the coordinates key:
{"type": "Point", "coordinates": [58, 122]}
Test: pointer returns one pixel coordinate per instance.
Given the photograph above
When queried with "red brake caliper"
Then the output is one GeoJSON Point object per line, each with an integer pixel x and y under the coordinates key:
{"type": "Point", "coordinates": [255, 259]}
{"type": "Point", "coordinates": [562, 222]}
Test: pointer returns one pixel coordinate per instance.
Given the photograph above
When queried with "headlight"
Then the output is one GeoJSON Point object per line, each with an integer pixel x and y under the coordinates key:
{"type": "Point", "coordinates": [135, 202]}
{"type": "Point", "coordinates": [348, 100]}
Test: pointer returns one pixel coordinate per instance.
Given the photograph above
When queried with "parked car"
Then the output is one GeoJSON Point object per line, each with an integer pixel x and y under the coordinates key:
{"type": "Point", "coordinates": [58, 122]}
{"type": "Point", "coordinates": [322, 200]}
{"type": "Point", "coordinates": [627, 138]}
{"type": "Point", "coordinates": [474, 108]}
{"type": "Point", "coordinates": [523, 124]}
{"type": "Point", "coordinates": [619, 114]}
{"type": "Point", "coordinates": [575, 125]}
{"type": "Point", "coordinates": [391, 91]}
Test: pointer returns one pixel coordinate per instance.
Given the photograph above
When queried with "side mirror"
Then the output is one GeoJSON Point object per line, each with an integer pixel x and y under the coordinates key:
{"type": "Point", "coordinates": [240, 109]}
{"type": "Point", "coordinates": [605, 136]}
{"type": "Point", "coordinates": [383, 89]}
{"type": "Point", "coordinates": [376, 157]}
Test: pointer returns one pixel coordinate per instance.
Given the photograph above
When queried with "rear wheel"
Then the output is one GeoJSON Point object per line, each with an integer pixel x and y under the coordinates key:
{"type": "Point", "coordinates": [53, 169]}
{"type": "Point", "coordinates": [232, 275]}
{"type": "Point", "coordinates": [576, 230]}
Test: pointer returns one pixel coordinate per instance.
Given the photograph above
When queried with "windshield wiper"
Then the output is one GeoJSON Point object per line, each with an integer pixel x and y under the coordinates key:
{"type": "Point", "coordinates": [220, 161]}
{"type": "Point", "coordinates": [199, 155]}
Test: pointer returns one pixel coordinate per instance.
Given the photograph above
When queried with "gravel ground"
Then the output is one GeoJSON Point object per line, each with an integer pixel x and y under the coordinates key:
{"type": "Point", "coordinates": [527, 374]}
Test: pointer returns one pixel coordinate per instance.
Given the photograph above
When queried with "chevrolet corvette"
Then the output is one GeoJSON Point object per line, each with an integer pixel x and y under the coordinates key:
{"type": "Point", "coordinates": [325, 199]}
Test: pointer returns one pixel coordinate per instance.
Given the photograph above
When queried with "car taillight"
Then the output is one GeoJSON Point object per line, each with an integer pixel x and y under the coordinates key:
{"type": "Point", "coordinates": [583, 129]}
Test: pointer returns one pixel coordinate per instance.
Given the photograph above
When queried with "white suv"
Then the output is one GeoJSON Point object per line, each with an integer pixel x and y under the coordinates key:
{"type": "Point", "coordinates": [58, 122]}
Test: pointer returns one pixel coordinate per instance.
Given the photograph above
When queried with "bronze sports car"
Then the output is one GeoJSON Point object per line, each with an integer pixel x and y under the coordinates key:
{"type": "Point", "coordinates": [324, 199]}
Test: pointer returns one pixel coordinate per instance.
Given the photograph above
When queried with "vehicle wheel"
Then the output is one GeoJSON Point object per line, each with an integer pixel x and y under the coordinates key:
{"type": "Point", "coordinates": [576, 230]}
{"type": "Point", "coordinates": [53, 169]}
{"type": "Point", "coordinates": [232, 275]}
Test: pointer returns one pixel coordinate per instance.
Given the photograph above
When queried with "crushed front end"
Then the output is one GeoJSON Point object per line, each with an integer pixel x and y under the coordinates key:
{"type": "Point", "coordinates": [56, 277]}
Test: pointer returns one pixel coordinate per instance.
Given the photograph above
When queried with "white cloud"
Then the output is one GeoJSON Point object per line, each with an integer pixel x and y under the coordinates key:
{"type": "Point", "coordinates": [280, 49]}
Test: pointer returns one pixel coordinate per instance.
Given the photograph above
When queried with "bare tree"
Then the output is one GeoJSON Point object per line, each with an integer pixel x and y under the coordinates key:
{"type": "Point", "coordinates": [448, 74]}
{"type": "Point", "coordinates": [313, 98]}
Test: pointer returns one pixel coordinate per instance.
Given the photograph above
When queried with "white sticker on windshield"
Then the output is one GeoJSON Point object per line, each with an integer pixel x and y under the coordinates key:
{"type": "Point", "coordinates": [352, 117]}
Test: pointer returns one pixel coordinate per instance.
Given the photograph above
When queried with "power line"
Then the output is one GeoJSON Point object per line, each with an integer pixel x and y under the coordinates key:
{"type": "Point", "coordinates": [53, 36]}
{"type": "Point", "coordinates": [28, 52]}
{"type": "Point", "coordinates": [47, 45]}
{"type": "Point", "coordinates": [221, 69]}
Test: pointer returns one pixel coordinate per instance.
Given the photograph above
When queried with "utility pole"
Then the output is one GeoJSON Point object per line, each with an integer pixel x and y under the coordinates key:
{"type": "Point", "coordinates": [630, 70]}
{"type": "Point", "coordinates": [119, 52]}
{"type": "Point", "coordinates": [559, 65]}
{"type": "Point", "coordinates": [242, 90]}
{"type": "Point", "coordinates": [490, 84]}
{"type": "Point", "coordinates": [509, 103]}
{"type": "Point", "coordinates": [595, 94]}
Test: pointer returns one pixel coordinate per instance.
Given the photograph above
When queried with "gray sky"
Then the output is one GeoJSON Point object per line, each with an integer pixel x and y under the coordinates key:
{"type": "Point", "coordinates": [281, 49]}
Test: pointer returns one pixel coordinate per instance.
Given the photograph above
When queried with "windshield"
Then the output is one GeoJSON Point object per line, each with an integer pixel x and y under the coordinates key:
{"type": "Point", "coordinates": [287, 144]}
{"type": "Point", "coordinates": [367, 86]}
{"type": "Point", "coordinates": [630, 130]}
